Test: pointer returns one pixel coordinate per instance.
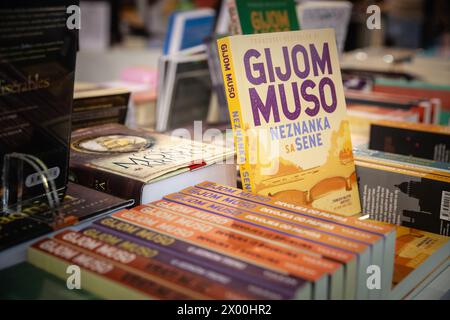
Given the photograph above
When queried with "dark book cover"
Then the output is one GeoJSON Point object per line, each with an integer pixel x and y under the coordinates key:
{"type": "Point", "coordinates": [122, 161]}
{"type": "Point", "coordinates": [101, 143]}
{"type": "Point", "coordinates": [404, 197]}
{"type": "Point", "coordinates": [37, 69]}
{"type": "Point", "coordinates": [36, 219]}
{"type": "Point", "coordinates": [417, 140]}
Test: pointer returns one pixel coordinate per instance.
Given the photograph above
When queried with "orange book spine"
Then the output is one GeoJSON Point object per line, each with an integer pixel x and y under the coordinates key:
{"type": "Point", "coordinates": [268, 222]}
{"type": "Point", "coordinates": [279, 214]}
{"type": "Point", "coordinates": [366, 225]}
{"type": "Point", "coordinates": [239, 225]}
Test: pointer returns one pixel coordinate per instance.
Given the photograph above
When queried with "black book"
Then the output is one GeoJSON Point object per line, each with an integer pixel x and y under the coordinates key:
{"type": "Point", "coordinates": [37, 69]}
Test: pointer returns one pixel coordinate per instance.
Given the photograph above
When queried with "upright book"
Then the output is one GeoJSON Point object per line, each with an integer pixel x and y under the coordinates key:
{"type": "Point", "coordinates": [188, 29]}
{"type": "Point", "coordinates": [287, 109]}
{"type": "Point", "coordinates": [262, 16]}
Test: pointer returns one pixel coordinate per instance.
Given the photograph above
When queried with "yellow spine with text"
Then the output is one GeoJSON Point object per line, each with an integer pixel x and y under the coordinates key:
{"type": "Point", "coordinates": [288, 113]}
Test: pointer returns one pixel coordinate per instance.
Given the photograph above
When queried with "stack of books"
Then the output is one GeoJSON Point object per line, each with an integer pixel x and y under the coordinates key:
{"type": "Point", "coordinates": [215, 241]}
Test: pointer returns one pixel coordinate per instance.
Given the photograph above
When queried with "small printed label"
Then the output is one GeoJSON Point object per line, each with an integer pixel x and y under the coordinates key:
{"type": "Point", "coordinates": [36, 179]}
{"type": "Point", "coordinates": [445, 206]}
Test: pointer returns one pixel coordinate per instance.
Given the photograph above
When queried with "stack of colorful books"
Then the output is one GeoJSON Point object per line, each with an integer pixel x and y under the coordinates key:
{"type": "Point", "coordinates": [219, 242]}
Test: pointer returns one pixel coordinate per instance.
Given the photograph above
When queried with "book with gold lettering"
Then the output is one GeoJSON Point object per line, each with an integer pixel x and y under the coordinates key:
{"type": "Point", "coordinates": [262, 16]}
{"type": "Point", "coordinates": [288, 112]}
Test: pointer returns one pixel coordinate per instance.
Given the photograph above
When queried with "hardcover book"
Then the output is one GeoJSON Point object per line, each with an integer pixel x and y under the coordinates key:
{"type": "Point", "coordinates": [141, 165]}
{"type": "Point", "coordinates": [262, 16]}
{"type": "Point", "coordinates": [287, 109]}
{"type": "Point", "coordinates": [37, 69]}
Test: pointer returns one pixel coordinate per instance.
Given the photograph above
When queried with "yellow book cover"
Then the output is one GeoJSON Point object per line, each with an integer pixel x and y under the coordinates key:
{"type": "Point", "coordinates": [288, 113]}
{"type": "Point", "coordinates": [413, 248]}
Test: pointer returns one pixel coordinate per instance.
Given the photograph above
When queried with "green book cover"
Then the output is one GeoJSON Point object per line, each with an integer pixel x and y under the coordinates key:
{"type": "Point", "coordinates": [263, 16]}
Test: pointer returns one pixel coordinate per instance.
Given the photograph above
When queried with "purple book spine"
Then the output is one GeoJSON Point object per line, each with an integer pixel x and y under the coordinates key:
{"type": "Point", "coordinates": [274, 281]}
{"type": "Point", "coordinates": [251, 290]}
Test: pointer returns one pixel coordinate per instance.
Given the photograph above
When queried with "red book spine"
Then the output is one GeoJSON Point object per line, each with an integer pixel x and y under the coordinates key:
{"type": "Point", "coordinates": [149, 267]}
{"type": "Point", "coordinates": [100, 267]}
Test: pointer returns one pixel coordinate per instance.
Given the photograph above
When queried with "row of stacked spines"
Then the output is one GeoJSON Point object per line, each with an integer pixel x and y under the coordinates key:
{"type": "Point", "coordinates": [300, 239]}
{"type": "Point", "coordinates": [98, 276]}
{"type": "Point", "coordinates": [183, 276]}
{"type": "Point", "coordinates": [355, 225]}
{"type": "Point", "coordinates": [305, 268]}
{"type": "Point", "coordinates": [270, 283]}
{"type": "Point", "coordinates": [236, 227]}
{"type": "Point", "coordinates": [354, 222]}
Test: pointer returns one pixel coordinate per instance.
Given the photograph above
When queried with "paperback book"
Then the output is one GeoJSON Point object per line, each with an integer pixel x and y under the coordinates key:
{"type": "Point", "coordinates": [399, 195]}
{"type": "Point", "coordinates": [288, 112]}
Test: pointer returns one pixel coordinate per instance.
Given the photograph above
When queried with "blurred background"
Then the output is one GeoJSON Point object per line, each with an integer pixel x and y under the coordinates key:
{"type": "Point", "coordinates": [406, 45]}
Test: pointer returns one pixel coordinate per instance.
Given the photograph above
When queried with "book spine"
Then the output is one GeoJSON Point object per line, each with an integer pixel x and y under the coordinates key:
{"type": "Point", "coordinates": [270, 280]}
{"type": "Point", "coordinates": [103, 181]}
{"type": "Point", "coordinates": [268, 222]}
{"type": "Point", "coordinates": [155, 266]}
{"type": "Point", "coordinates": [222, 233]}
{"type": "Point", "coordinates": [240, 225]}
{"type": "Point", "coordinates": [234, 107]}
{"type": "Point", "coordinates": [87, 104]}
{"type": "Point", "coordinates": [365, 225]}
{"type": "Point", "coordinates": [300, 220]}
{"type": "Point", "coordinates": [48, 255]}
{"type": "Point", "coordinates": [207, 236]}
